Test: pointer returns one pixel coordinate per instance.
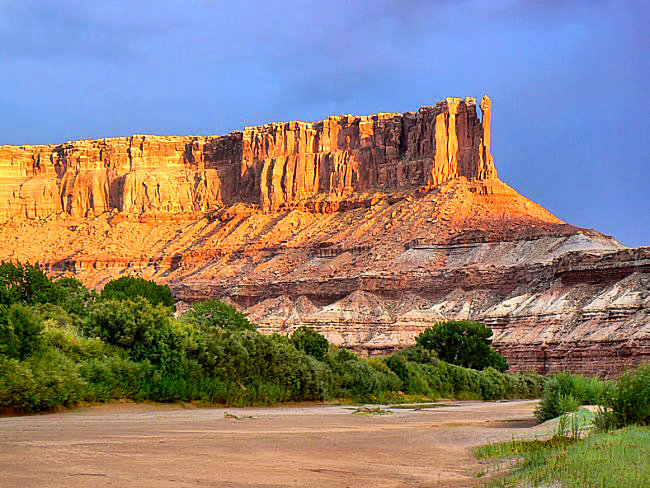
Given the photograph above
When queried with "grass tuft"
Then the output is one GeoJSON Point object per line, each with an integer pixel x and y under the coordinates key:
{"type": "Point", "coordinates": [618, 458]}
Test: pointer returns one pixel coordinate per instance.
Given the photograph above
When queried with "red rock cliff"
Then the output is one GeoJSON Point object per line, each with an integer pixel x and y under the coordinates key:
{"type": "Point", "coordinates": [275, 165]}
{"type": "Point", "coordinates": [369, 229]}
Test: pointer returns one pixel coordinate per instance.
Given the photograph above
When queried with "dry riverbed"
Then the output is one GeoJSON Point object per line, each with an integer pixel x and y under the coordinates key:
{"type": "Point", "coordinates": [124, 445]}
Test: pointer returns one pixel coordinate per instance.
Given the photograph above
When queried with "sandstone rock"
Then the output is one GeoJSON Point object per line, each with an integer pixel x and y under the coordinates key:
{"type": "Point", "coordinates": [275, 166]}
{"type": "Point", "coordinates": [369, 229]}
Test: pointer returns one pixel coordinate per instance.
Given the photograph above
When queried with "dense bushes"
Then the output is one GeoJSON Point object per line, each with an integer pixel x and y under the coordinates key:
{"type": "Point", "coordinates": [420, 372]}
{"type": "Point", "coordinates": [20, 331]}
{"type": "Point", "coordinates": [26, 283]}
{"type": "Point", "coordinates": [621, 403]}
{"type": "Point", "coordinates": [130, 287]}
{"type": "Point", "coordinates": [565, 392]}
{"type": "Point", "coordinates": [627, 402]}
{"type": "Point", "coordinates": [146, 331]}
{"type": "Point", "coordinates": [41, 382]}
{"type": "Point", "coordinates": [213, 314]}
{"type": "Point", "coordinates": [463, 343]}
{"type": "Point", "coordinates": [311, 342]}
{"type": "Point", "coordinates": [61, 344]}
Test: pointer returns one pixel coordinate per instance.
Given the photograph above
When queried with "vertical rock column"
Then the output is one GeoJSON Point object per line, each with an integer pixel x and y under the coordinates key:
{"type": "Point", "coordinates": [445, 158]}
{"type": "Point", "coordinates": [440, 156]}
{"type": "Point", "coordinates": [486, 162]}
{"type": "Point", "coordinates": [452, 145]}
{"type": "Point", "coordinates": [275, 165]}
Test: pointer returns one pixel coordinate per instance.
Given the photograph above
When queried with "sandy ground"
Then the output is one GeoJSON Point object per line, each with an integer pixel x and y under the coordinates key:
{"type": "Point", "coordinates": [128, 445]}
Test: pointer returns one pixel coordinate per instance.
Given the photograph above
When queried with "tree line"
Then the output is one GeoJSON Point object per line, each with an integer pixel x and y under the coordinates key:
{"type": "Point", "coordinates": [62, 344]}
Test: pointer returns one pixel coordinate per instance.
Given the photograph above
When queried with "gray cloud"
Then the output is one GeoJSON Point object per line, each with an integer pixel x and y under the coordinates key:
{"type": "Point", "coordinates": [49, 29]}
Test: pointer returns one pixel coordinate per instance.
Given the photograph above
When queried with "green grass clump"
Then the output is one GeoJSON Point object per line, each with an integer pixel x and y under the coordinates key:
{"type": "Point", "coordinates": [516, 448]}
{"type": "Point", "coordinates": [618, 458]}
{"type": "Point", "coordinates": [627, 402]}
{"type": "Point", "coordinates": [566, 392]}
{"type": "Point", "coordinates": [568, 431]}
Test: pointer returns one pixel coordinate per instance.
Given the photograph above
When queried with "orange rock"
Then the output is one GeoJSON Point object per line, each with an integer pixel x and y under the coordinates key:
{"type": "Point", "coordinates": [275, 165]}
{"type": "Point", "coordinates": [368, 228]}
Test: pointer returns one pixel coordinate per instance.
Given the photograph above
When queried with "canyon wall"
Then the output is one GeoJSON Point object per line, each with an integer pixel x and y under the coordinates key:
{"type": "Point", "coordinates": [274, 166]}
{"type": "Point", "coordinates": [369, 229]}
{"type": "Point", "coordinates": [598, 322]}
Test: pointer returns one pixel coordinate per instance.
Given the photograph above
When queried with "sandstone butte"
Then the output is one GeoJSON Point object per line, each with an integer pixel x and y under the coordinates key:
{"type": "Point", "coordinates": [368, 229]}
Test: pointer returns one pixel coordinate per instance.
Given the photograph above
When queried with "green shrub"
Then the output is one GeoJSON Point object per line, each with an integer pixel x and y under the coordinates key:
{"type": "Point", "coordinates": [362, 379]}
{"type": "Point", "coordinates": [246, 357]}
{"type": "Point", "coordinates": [493, 384]}
{"type": "Point", "coordinates": [317, 382]}
{"type": "Point", "coordinates": [422, 373]}
{"type": "Point", "coordinates": [63, 332]}
{"type": "Point", "coordinates": [17, 385]}
{"type": "Point", "coordinates": [420, 355]}
{"type": "Point", "coordinates": [628, 402]}
{"type": "Point", "coordinates": [310, 342]}
{"type": "Point", "coordinates": [57, 380]}
{"type": "Point", "coordinates": [463, 343]}
{"type": "Point", "coordinates": [21, 332]}
{"type": "Point", "coordinates": [74, 297]}
{"type": "Point", "coordinates": [466, 382]}
{"type": "Point", "coordinates": [26, 283]}
{"type": "Point", "coordinates": [118, 377]}
{"type": "Point", "coordinates": [527, 385]}
{"type": "Point", "coordinates": [205, 389]}
{"type": "Point", "coordinates": [130, 287]}
{"type": "Point", "coordinates": [565, 392]}
{"type": "Point", "coordinates": [410, 374]}
{"type": "Point", "coordinates": [42, 382]}
{"type": "Point", "coordinates": [213, 314]}
{"type": "Point", "coordinates": [341, 355]}
{"type": "Point", "coordinates": [146, 331]}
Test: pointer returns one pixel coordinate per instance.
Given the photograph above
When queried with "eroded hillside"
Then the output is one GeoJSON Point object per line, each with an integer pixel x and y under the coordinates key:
{"type": "Point", "coordinates": [367, 228]}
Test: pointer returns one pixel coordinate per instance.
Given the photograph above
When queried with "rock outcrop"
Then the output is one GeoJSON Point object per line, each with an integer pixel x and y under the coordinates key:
{"type": "Point", "coordinates": [275, 166]}
{"type": "Point", "coordinates": [369, 229]}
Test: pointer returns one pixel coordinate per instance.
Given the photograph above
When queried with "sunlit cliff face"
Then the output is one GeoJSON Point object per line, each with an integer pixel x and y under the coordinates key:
{"type": "Point", "coordinates": [369, 229]}
{"type": "Point", "coordinates": [274, 166]}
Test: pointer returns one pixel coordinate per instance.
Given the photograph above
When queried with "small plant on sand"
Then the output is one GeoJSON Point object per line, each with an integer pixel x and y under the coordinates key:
{"type": "Point", "coordinates": [366, 410]}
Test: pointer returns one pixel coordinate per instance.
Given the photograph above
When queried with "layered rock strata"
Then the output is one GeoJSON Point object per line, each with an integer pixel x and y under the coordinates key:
{"type": "Point", "coordinates": [369, 229]}
{"type": "Point", "coordinates": [275, 166]}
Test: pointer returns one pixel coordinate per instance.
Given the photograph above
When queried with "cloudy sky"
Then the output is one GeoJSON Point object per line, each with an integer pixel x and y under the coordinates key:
{"type": "Point", "coordinates": [569, 79]}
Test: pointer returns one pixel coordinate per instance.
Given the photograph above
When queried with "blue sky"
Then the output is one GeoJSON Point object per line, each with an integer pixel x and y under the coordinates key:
{"type": "Point", "coordinates": [570, 80]}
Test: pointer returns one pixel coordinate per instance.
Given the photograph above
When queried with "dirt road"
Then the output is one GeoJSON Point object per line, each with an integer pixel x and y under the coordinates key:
{"type": "Point", "coordinates": [127, 445]}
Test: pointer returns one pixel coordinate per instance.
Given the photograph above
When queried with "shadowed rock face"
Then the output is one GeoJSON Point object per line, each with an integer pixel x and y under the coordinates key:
{"type": "Point", "coordinates": [369, 229]}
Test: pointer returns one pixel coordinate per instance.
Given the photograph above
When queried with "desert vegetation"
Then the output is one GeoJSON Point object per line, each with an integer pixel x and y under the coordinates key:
{"type": "Point", "coordinates": [464, 343]}
{"type": "Point", "coordinates": [62, 344]}
{"type": "Point", "coordinates": [606, 448]}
